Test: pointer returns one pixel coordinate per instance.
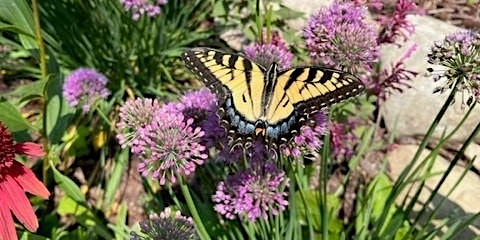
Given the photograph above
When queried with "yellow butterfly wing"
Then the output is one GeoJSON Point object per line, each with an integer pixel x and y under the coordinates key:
{"type": "Point", "coordinates": [306, 90]}
{"type": "Point", "coordinates": [232, 75]}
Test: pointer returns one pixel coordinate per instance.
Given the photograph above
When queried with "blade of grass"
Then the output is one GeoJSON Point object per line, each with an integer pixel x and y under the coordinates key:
{"type": "Point", "coordinates": [323, 186]}
{"type": "Point", "coordinates": [399, 185]}
{"type": "Point", "coordinates": [438, 207]}
{"type": "Point", "coordinates": [452, 164]}
{"type": "Point", "coordinates": [458, 226]}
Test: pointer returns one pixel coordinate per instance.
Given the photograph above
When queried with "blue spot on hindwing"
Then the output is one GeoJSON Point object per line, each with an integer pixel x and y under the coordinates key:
{"type": "Point", "coordinates": [241, 127]}
{"type": "Point", "coordinates": [250, 128]}
{"type": "Point", "coordinates": [236, 120]}
{"type": "Point", "coordinates": [284, 128]}
{"type": "Point", "coordinates": [272, 132]}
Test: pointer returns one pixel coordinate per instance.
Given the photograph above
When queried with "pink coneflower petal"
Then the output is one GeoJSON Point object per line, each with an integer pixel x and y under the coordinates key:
{"type": "Point", "coordinates": [29, 182]}
{"type": "Point", "coordinates": [7, 229]}
{"type": "Point", "coordinates": [29, 149]}
{"type": "Point", "coordinates": [14, 197]}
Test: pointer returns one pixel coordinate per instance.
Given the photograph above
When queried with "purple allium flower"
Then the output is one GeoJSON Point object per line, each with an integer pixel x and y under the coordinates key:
{"type": "Point", "coordinates": [252, 193]}
{"type": "Point", "coordinates": [85, 86]}
{"type": "Point", "coordinates": [309, 138]}
{"type": "Point", "coordinates": [168, 146]}
{"type": "Point", "coordinates": [227, 154]}
{"type": "Point", "coordinates": [339, 37]}
{"type": "Point", "coordinates": [138, 8]}
{"type": "Point", "coordinates": [168, 225]}
{"type": "Point", "coordinates": [343, 140]}
{"type": "Point", "coordinates": [202, 99]}
{"type": "Point", "coordinates": [397, 25]}
{"type": "Point", "coordinates": [390, 80]}
{"type": "Point", "coordinates": [202, 106]}
{"type": "Point", "coordinates": [459, 54]}
{"type": "Point", "coordinates": [266, 53]}
{"type": "Point", "coordinates": [134, 115]}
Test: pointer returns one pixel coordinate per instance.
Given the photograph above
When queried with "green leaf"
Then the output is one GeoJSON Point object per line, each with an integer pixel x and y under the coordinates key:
{"type": "Point", "coordinates": [30, 236]}
{"type": "Point", "coordinates": [19, 14]}
{"type": "Point", "coordinates": [84, 216]}
{"type": "Point", "coordinates": [120, 228]}
{"type": "Point", "coordinates": [67, 185]}
{"type": "Point", "coordinates": [116, 177]}
{"type": "Point", "coordinates": [12, 118]}
{"type": "Point", "coordinates": [58, 112]}
{"type": "Point", "coordinates": [15, 29]}
{"type": "Point", "coordinates": [378, 190]}
{"type": "Point", "coordinates": [28, 91]}
{"type": "Point", "coordinates": [312, 208]}
{"type": "Point", "coordinates": [285, 13]}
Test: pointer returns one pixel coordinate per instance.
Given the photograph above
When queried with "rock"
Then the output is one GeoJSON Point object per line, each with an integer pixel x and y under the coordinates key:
{"type": "Point", "coordinates": [410, 113]}
{"type": "Point", "coordinates": [234, 38]}
{"type": "Point", "coordinates": [308, 7]}
{"type": "Point", "coordinates": [462, 202]}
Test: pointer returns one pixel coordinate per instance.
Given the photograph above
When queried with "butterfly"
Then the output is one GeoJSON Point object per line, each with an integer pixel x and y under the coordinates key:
{"type": "Point", "coordinates": [266, 103]}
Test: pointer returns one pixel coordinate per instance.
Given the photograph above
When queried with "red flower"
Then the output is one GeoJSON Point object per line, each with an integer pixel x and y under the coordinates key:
{"type": "Point", "coordinates": [15, 180]}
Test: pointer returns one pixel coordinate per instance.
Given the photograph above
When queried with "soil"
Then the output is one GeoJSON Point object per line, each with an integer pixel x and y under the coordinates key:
{"type": "Point", "coordinates": [462, 13]}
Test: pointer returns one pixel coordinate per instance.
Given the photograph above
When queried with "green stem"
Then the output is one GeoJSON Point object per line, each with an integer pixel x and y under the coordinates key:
{"type": "Point", "coordinates": [258, 21]}
{"type": "Point", "coordinates": [296, 176]}
{"type": "Point", "coordinates": [38, 38]}
{"type": "Point", "coordinates": [450, 167]}
{"type": "Point", "coordinates": [323, 186]}
{"type": "Point", "coordinates": [44, 77]}
{"type": "Point", "coordinates": [103, 116]}
{"type": "Point", "coordinates": [399, 183]}
{"type": "Point", "coordinates": [191, 207]}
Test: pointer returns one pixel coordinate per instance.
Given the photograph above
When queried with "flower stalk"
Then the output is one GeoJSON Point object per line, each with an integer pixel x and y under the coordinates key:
{"type": "Point", "coordinates": [202, 231]}
{"type": "Point", "coordinates": [44, 77]}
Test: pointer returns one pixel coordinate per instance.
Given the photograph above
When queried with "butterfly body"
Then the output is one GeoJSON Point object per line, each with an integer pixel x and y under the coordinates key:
{"type": "Point", "coordinates": [266, 103]}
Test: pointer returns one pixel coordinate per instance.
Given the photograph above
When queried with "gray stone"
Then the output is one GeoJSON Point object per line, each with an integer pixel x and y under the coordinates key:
{"type": "Point", "coordinates": [308, 7]}
{"type": "Point", "coordinates": [410, 113]}
{"type": "Point", "coordinates": [234, 38]}
{"type": "Point", "coordinates": [463, 201]}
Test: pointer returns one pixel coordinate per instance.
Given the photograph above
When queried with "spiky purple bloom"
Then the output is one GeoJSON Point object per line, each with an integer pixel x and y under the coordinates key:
{"type": "Point", "coordinates": [201, 105]}
{"type": "Point", "coordinates": [168, 225]}
{"type": "Point", "coordinates": [310, 136]}
{"type": "Point", "coordinates": [202, 99]}
{"type": "Point", "coordinates": [135, 115]}
{"type": "Point", "coordinates": [85, 86]}
{"type": "Point", "coordinates": [459, 53]}
{"type": "Point", "coordinates": [139, 8]}
{"type": "Point", "coordinates": [169, 145]}
{"type": "Point", "coordinates": [339, 37]}
{"type": "Point", "coordinates": [396, 25]}
{"type": "Point", "coordinates": [392, 80]}
{"type": "Point", "coordinates": [343, 139]}
{"type": "Point", "coordinates": [253, 193]}
{"type": "Point", "coordinates": [265, 53]}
